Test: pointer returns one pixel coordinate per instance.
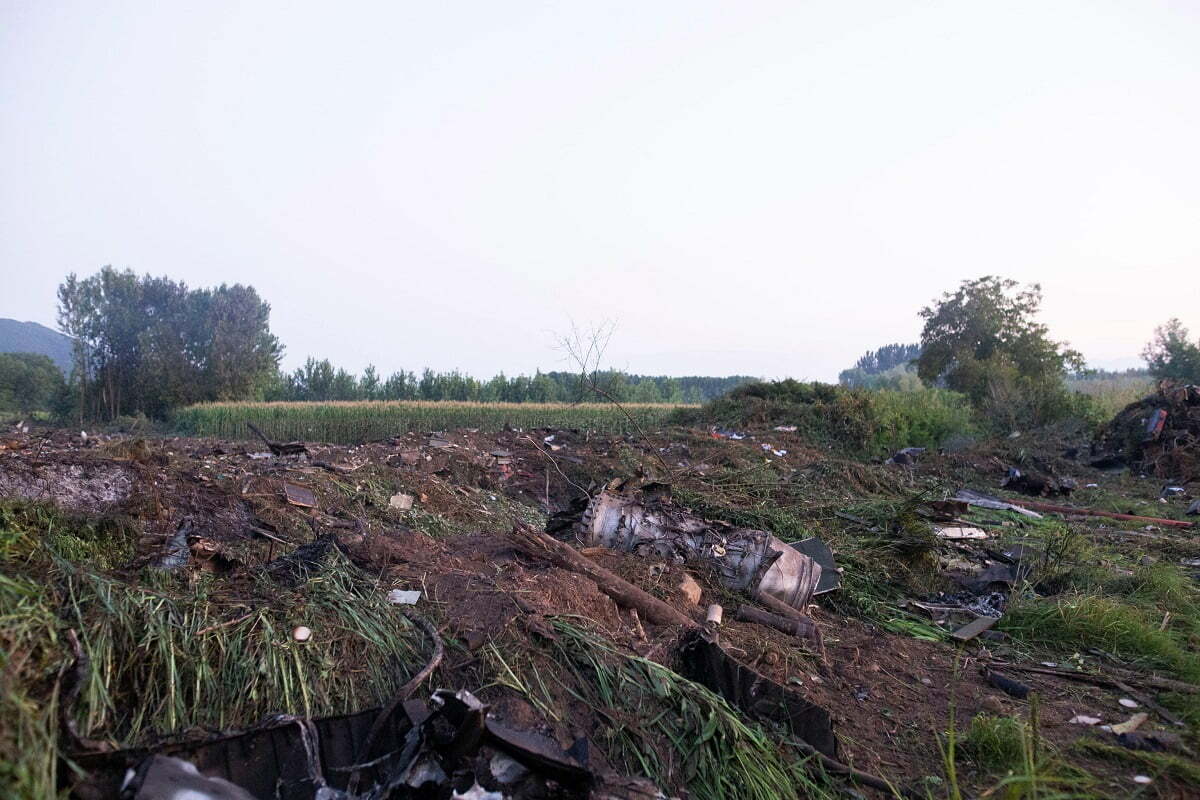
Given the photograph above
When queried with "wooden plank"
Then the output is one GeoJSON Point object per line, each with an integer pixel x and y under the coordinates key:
{"type": "Point", "coordinates": [973, 628]}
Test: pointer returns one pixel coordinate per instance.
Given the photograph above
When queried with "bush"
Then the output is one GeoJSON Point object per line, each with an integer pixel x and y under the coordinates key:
{"type": "Point", "coordinates": [857, 421]}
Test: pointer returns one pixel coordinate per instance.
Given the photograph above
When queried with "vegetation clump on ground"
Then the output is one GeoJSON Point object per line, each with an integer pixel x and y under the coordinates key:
{"type": "Point", "coordinates": [171, 652]}
{"type": "Point", "coordinates": [858, 421]}
{"type": "Point", "coordinates": [352, 423]}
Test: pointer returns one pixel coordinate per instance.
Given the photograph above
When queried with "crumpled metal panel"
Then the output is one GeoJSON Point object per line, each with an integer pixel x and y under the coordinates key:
{"type": "Point", "coordinates": [706, 662]}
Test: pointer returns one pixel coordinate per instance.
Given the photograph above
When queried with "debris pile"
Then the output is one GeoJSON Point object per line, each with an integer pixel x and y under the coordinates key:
{"type": "Point", "coordinates": [1158, 435]}
{"type": "Point", "coordinates": [264, 619]}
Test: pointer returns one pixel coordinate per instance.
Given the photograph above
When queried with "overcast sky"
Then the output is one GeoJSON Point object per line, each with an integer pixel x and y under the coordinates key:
{"type": "Point", "coordinates": [761, 188]}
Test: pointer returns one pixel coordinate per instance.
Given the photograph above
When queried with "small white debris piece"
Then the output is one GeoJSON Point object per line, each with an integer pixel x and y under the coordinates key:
{"type": "Point", "coordinates": [961, 533]}
{"type": "Point", "coordinates": [302, 633]}
{"type": "Point", "coordinates": [506, 769]}
{"type": "Point", "coordinates": [786, 428]}
{"type": "Point", "coordinates": [402, 502]}
{"type": "Point", "coordinates": [1084, 719]}
{"type": "Point", "coordinates": [690, 589]}
{"type": "Point", "coordinates": [403, 597]}
{"type": "Point", "coordinates": [1049, 664]}
{"type": "Point", "coordinates": [1128, 703]}
{"type": "Point", "coordinates": [1132, 724]}
{"type": "Point", "coordinates": [477, 792]}
{"type": "Point", "coordinates": [1143, 779]}
{"type": "Point", "coordinates": [258, 456]}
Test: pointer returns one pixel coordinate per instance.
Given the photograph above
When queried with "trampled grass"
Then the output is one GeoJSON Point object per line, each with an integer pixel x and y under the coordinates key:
{"type": "Point", "coordinates": [167, 653]}
{"type": "Point", "coordinates": [356, 422]}
{"type": "Point", "coordinates": [1113, 624]}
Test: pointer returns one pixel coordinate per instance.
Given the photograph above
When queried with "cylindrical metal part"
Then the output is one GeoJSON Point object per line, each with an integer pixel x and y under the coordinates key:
{"type": "Point", "coordinates": [747, 560]}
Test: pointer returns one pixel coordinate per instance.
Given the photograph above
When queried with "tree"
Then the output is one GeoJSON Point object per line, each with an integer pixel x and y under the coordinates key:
{"type": "Point", "coordinates": [1171, 353]}
{"type": "Point", "coordinates": [984, 340]}
{"type": "Point", "coordinates": [28, 382]}
{"type": "Point", "coordinates": [892, 360]}
{"type": "Point", "coordinates": [146, 344]}
{"type": "Point", "coordinates": [369, 385]}
{"type": "Point", "coordinates": [240, 352]}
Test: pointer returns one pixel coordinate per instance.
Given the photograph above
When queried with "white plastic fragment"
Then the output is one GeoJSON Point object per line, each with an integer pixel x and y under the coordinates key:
{"type": "Point", "coordinates": [302, 633]}
{"type": "Point", "coordinates": [477, 792]}
{"type": "Point", "coordinates": [1084, 719]}
{"type": "Point", "coordinates": [1128, 703]}
{"type": "Point", "coordinates": [403, 597]}
{"type": "Point", "coordinates": [401, 501]}
{"type": "Point", "coordinates": [1143, 779]}
{"type": "Point", "coordinates": [960, 533]}
{"type": "Point", "coordinates": [506, 769]}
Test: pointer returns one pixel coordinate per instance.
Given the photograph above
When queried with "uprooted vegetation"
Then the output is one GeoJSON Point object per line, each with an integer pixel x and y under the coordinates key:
{"type": "Point", "coordinates": [857, 421]}
{"type": "Point", "coordinates": [223, 585]}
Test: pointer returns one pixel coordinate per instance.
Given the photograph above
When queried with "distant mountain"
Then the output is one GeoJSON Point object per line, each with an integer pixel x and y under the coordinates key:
{"type": "Point", "coordinates": [30, 337]}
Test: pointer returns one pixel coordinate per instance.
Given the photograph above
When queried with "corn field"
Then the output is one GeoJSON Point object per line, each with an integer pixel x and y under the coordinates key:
{"type": "Point", "coordinates": [355, 422]}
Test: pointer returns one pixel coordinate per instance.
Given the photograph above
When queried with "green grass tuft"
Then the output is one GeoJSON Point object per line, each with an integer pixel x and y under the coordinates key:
{"type": "Point", "coordinates": [173, 652]}
{"type": "Point", "coordinates": [675, 731]}
{"type": "Point", "coordinates": [995, 743]}
{"type": "Point", "coordinates": [1080, 621]}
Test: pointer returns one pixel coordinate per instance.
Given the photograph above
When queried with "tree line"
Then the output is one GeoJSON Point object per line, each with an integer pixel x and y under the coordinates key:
{"type": "Point", "coordinates": [321, 381]}
{"type": "Point", "coordinates": [145, 345]}
{"type": "Point", "coordinates": [885, 367]}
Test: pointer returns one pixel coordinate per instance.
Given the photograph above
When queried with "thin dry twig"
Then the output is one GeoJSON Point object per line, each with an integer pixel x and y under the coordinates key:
{"type": "Point", "coordinates": [554, 463]}
{"type": "Point", "coordinates": [588, 360]}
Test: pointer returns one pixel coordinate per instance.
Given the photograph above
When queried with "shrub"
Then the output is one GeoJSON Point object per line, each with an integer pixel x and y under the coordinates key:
{"type": "Point", "coordinates": [859, 421]}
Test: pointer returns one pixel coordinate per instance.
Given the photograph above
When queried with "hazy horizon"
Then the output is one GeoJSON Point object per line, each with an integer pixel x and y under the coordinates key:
{"type": "Point", "coordinates": [766, 189]}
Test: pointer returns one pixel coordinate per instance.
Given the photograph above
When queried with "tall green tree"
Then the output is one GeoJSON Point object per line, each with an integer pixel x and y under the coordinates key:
{"type": "Point", "coordinates": [146, 344]}
{"type": "Point", "coordinates": [984, 340]}
{"type": "Point", "coordinates": [28, 382]}
{"type": "Point", "coordinates": [1172, 355]}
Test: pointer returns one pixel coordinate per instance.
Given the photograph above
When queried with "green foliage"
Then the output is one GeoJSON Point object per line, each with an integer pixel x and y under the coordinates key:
{"type": "Point", "coordinates": [711, 750]}
{"type": "Point", "coordinates": [30, 337]}
{"type": "Point", "coordinates": [169, 653]}
{"type": "Point", "coordinates": [995, 743]}
{"type": "Point", "coordinates": [1083, 620]}
{"type": "Point", "coordinates": [900, 378]}
{"type": "Point", "coordinates": [853, 420]}
{"type": "Point", "coordinates": [318, 381]}
{"type": "Point", "coordinates": [145, 344]}
{"type": "Point", "coordinates": [891, 360]}
{"type": "Point", "coordinates": [1172, 355]}
{"type": "Point", "coordinates": [983, 340]}
{"type": "Point", "coordinates": [28, 382]}
{"type": "Point", "coordinates": [353, 423]}
{"type": "Point", "coordinates": [1036, 772]}
{"type": "Point", "coordinates": [1108, 393]}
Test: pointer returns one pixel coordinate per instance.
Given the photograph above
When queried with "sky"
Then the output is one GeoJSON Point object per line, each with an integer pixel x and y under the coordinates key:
{"type": "Point", "coordinates": [740, 188]}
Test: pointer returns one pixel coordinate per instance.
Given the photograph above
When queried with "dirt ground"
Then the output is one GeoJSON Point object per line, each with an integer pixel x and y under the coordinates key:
{"type": "Point", "coordinates": [890, 695]}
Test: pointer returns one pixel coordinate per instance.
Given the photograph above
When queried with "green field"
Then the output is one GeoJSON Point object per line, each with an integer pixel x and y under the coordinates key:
{"type": "Point", "coordinates": [351, 423]}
